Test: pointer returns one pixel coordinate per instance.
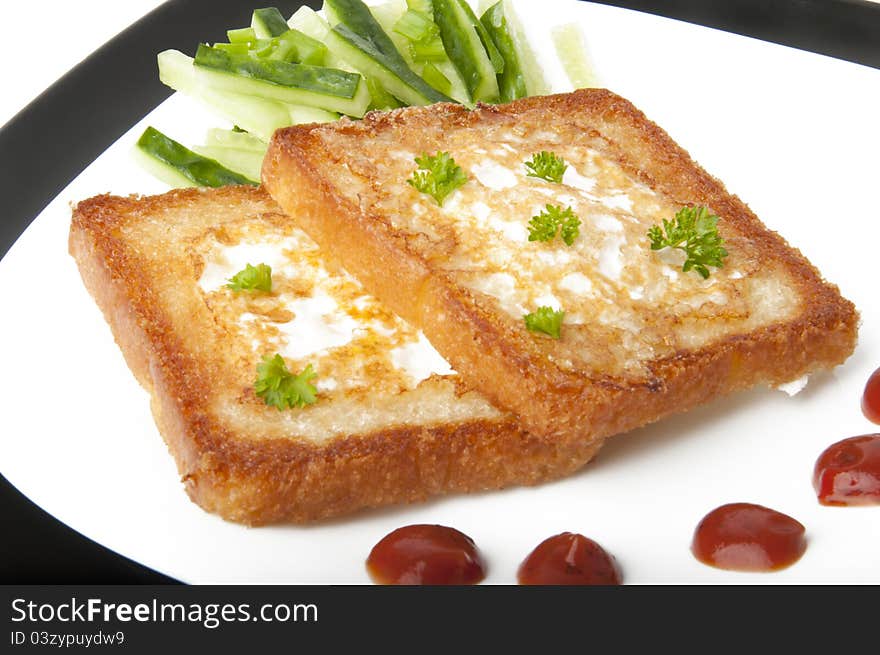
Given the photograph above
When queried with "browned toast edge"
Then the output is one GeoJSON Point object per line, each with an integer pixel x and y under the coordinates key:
{"type": "Point", "coordinates": [548, 400]}
{"type": "Point", "coordinates": [284, 479]}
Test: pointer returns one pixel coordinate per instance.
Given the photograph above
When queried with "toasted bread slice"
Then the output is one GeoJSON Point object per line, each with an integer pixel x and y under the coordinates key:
{"type": "Point", "coordinates": [641, 338]}
{"type": "Point", "coordinates": [392, 422]}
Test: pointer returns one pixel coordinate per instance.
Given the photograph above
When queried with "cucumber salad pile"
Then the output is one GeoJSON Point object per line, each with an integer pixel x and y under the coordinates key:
{"type": "Point", "coordinates": [352, 59]}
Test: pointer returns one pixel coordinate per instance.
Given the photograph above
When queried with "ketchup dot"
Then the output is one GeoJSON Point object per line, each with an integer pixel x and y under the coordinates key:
{"type": "Point", "coordinates": [569, 559]}
{"type": "Point", "coordinates": [746, 537]}
{"type": "Point", "coordinates": [426, 555]}
{"type": "Point", "coordinates": [848, 472]}
{"type": "Point", "coordinates": [871, 398]}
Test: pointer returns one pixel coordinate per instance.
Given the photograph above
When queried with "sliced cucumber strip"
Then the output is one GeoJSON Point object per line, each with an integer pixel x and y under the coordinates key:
{"type": "Point", "coordinates": [233, 48]}
{"type": "Point", "coordinates": [268, 22]}
{"type": "Point", "coordinates": [571, 48]}
{"type": "Point", "coordinates": [295, 46]}
{"type": "Point", "coordinates": [465, 48]}
{"type": "Point", "coordinates": [301, 114]}
{"type": "Point", "coordinates": [264, 47]}
{"type": "Point", "coordinates": [436, 78]}
{"type": "Point", "coordinates": [511, 81]}
{"type": "Point", "coordinates": [426, 6]}
{"type": "Point", "coordinates": [301, 84]}
{"type": "Point", "coordinates": [221, 138]}
{"type": "Point", "coordinates": [176, 162]}
{"type": "Point", "coordinates": [242, 35]}
{"type": "Point", "coordinates": [387, 14]}
{"type": "Point", "coordinates": [431, 50]}
{"type": "Point", "coordinates": [244, 162]}
{"type": "Point", "coordinates": [258, 116]}
{"type": "Point", "coordinates": [308, 22]}
{"type": "Point", "coordinates": [494, 55]}
{"type": "Point", "coordinates": [416, 26]}
{"type": "Point", "coordinates": [533, 74]}
{"type": "Point", "coordinates": [365, 45]}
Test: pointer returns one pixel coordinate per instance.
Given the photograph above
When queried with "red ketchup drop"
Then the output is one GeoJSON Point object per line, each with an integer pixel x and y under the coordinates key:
{"type": "Point", "coordinates": [848, 472]}
{"type": "Point", "coordinates": [746, 537]}
{"type": "Point", "coordinates": [871, 398]}
{"type": "Point", "coordinates": [569, 559]}
{"type": "Point", "coordinates": [426, 555]}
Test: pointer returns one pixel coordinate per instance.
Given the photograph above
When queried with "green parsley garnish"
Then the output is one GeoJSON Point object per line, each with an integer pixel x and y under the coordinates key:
{"type": "Point", "coordinates": [279, 387]}
{"type": "Point", "coordinates": [546, 320]}
{"type": "Point", "coordinates": [553, 219]}
{"type": "Point", "coordinates": [547, 165]}
{"type": "Point", "coordinates": [252, 278]}
{"type": "Point", "coordinates": [438, 176]}
{"type": "Point", "coordinates": [695, 231]}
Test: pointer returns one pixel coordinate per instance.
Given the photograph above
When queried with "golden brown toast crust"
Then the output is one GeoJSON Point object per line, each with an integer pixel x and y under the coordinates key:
{"type": "Point", "coordinates": [259, 481]}
{"type": "Point", "coordinates": [503, 361]}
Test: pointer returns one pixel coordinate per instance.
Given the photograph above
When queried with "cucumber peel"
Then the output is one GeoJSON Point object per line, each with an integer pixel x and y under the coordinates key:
{"type": "Point", "coordinates": [268, 22]}
{"type": "Point", "coordinates": [308, 22]}
{"type": "Point", "coordinates": [240, 140]}
{"type": "Point", "coordinates": [174, 161]}
{"type": "Point", "coordinates": [302, 84]}
{"type": "Point", "coordinates": [258, 116]}
{"type": "Point", "coordinates": [511, 82]}
{"type": "Point", "coordinates": [463, 44]}
{"type": "Point", "coordinates": [242, 161]}
{"type": "Point", "coordinates": [364, 44]}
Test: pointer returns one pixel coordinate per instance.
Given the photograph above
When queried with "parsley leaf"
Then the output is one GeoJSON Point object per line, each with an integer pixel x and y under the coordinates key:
{"type": "Point", "coordinates": [545, 225]}
{"type": "Point", "coordinates": [252, 278]}
{"type": "Point", "coordinates": [438, 176]}
{"type": "Point", "coordinates": [547, 166]}
{"type": "Point", "coordinates": [546, 320]}
{"type": "Point", "coordinates": [695, 231]}
{"type": "Point", "coordinates": [279, 387]}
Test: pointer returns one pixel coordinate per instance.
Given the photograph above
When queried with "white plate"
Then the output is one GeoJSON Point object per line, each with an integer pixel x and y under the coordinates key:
{"type": "Point", "coordinates": [794, 134]}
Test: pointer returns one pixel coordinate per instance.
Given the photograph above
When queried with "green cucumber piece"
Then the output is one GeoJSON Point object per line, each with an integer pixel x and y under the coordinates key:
{"type": "Point", "coordinates": [308, 22]}
{"type": "Point", "coordinates": [221, 138]}
{"type": "Point", "coordinates": [491, 50]}
{"type": "Point", "coordinates": [511, 81]}
{"type": "Point", "coordinates": [300, 84]}
{"type": "Point", "coordinates": [387, 14]}
{"type": "Point", "coordinates": [431, 50]}
{"type": "Point", "coordinates": [466, 50]}
{"type": "Point", "coordinates": [426, 6]}
{"type": "Point", "coordinates": [301, 114]}
{"type": "Point", "coordinates": [268, 22]}
{"type": "Point", "coordinates": [258, 116]}
{"type": "Point", "coordinates": [233, 48]}
{"type": "Point", "coordinates": [244, 162]}
{"type": "Point", "coordinates": [365, 45]}
{"type": "Point", "coordinates": [416, 26]}
{"type": "Point", "coordinates": [417, 56]}
{"type": "Point", "coordinates": [505, 22]}
{"type": "Point", "coordinates": [241, 35]}
{"type": "Point", "coordinates": [263, 47]}
{"type": "Point", "coordinates": [176, 162]}
{"type": "Point", "coordinates": [295, 46]}
{"type": "Point", "coordinates": [571, 49]}
{"type": "Point", "coordinates": [433, 76]}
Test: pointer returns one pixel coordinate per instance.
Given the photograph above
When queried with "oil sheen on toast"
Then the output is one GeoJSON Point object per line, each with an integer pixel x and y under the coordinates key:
{"type": "Point", "coordinates": [641, 338]}
{"type": "Point", "coordinates": [392, 422]}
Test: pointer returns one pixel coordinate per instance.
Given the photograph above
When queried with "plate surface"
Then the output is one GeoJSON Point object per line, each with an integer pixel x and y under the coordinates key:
{"type": "Point", "coordinates": [794, 134]}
